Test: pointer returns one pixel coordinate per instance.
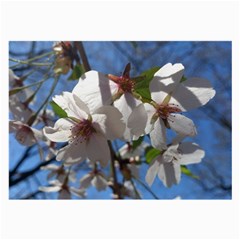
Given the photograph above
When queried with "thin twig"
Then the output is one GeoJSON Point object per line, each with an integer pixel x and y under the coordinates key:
{"type": "Point", "coordinates": [146, 187]}
{"type": "Point", "coordinates": [81, 50]}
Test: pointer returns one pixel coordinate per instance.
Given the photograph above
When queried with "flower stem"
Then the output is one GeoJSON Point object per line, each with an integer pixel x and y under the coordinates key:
{"type": "Point", "coordinates": [116, 189]}
{"type": "Point", "coordinates": [28, 61]}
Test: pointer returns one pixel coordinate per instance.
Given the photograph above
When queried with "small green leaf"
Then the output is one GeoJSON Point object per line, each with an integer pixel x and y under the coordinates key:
{"type": "Point", "coordinates": [183, 79]}
{"type": "Point", "coordinates": [77, 72]}
{"type": "Point", "coordinates": [145, 94]}
{"type": "Point", "coordinates": [137, 143]}
{"type": "Point", "coordinates": [142, 82]}
{"type": "Point", "coordinates": [58, 110]}
{"type": "Point", "coordinates": [187, 172]}
{"type": "Point", "coordinates": [151, 153]}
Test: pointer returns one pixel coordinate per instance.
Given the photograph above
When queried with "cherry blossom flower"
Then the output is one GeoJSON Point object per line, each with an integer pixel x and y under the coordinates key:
{"type": "Point", "coordinates": [59, 172]}
{"type": "Point", "coordinates": [133, 155]}
{"type": "Point", "coordinates": [168, 164]}
{"type": "Point", "coordinates": [127, 151]}
{"type": "Point", "coordinates": [17, 82]}
{"type": "Point", "coordinates": [25, 135]}
{"type": "Point", "coordinates": [95, 178]}
{"type": "Point", "coordinates": [171, 97]}
{"type": "Point", "coordinates": [85, 130]}
{"type": "Point", "coordinates": [98, 89]}
{"type": "Point", "coordinates": [64, 190]}
{"type": "Point", "coordinates": [20, 111]}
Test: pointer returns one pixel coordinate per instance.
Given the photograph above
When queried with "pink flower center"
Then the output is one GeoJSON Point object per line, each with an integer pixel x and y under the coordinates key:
{"type": "Point", "coordinates": [82, 131]}
{"type": "Point", "coordinates": [125, 83]}
{"type": "Point", "coordinates": [164, 110]}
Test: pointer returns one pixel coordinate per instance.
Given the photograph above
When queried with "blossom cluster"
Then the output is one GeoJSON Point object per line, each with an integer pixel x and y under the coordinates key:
{"type": "Point", "coordinates": [102, 108]}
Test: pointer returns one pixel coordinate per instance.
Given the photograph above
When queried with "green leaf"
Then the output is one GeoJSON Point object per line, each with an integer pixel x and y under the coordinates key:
{"type": "Point", "coordinates": [77, 72]}
{"type": "Point", "coordinates": [145, 94]}
{"type": "Point", "coordinates": [183, 79]}
{"type": "Point", "coordinates": [58, 110]}
{"type": "Point", "coordinates": [187, 172]}
{"type": "Point", "coordinates": [142, 82]}
{"type": "Point", "coordinates": [137, 143]}
{"type": "Point", "coordinates": [151, 153]}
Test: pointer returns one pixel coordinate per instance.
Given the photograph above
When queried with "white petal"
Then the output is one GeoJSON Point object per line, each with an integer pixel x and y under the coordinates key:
{"type": "Point", "coordinates": [19, 110]}
{"type": "Point", "coordinates": [50, 189]}
{"type": "Point", "coordinates": [152, 170]}
{"type": "Point", "coordinates": [98, 150]}
{"type": "Point", "coordinates": [191, 153]}
{"type": "Point", "coordinates": [72, 153]}
{"type": "Point", "coordinates": [170, 173]}
{"type": "Point", "coordinates": [72, 176]}
{"type": "Point", "coordinates": [99, 182]}
{"type": "Point", "coordinates": [99, 123]}
{"type": "Point", "coordinates": [51, 167]}
{"type": "Point", "coordinates": [192, 93]}
{"type": "Point", "coordinates": [182, 125]}
{"type": "Point", "coordinates": [169, 70]}
{"type": "Point", "coordinates": [60, 132]}
{"type": "Point", "coordinates": [86, 180]}
{"type": "Point", "coordinates": [69, 105]}
{"type": "Point", "coordinates": [12, 76]}
{"type": "Point", "coordinates": [78, 192]}
{"type": "Point", "coordinates": [158, 135]}
{"type": "Point", "coordinates": [95, 89]}
{"type": "Point", "coordinates": [112, 126]}
{"type": "Point", "coordinates": [81, 104]}
{"type": "Point", "coordinates": [38, 134]}
{"type": "Point", "coordinates": [125, 104]}
{"type": "Point", "coordinates": [150, 112]}
{"type": "Point", "coordinates": [137, 121]}
{"type": "Point", "coordinates": [171, 152]}
{"type": "Point", "coordinates": [25, 136]}
{"type": "Point", "coordinates": [55, 182]}
{"type": "Point", "coordinates": [14, 126]}
{"type": "Point", "coordinates": [165, 81]}
{"type": "Point", "coordinates": [127, 152]}
{"type": "Point", "coordinates": [24, 133]}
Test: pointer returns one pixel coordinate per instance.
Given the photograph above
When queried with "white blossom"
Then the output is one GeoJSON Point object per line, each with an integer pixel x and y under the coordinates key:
{"type": "Point", "coordinates": [63, 189]}
{"type": "Point", "coordinates": [171, 97]}
{"type": "Point", "coordinates": [85, 130]}
{"type": "Point", "coordinates": [16, 82]}
{"type": "Point", "coordinates": [59, 172]}
{"type": "Point", "coordinates": [168, 164]}
{"type": "Point", "coordinates": [25, 134]}
{"type": "Point", "coordinates": [97, 89]}
{"type": "Point", "coordinates": [95, 178]}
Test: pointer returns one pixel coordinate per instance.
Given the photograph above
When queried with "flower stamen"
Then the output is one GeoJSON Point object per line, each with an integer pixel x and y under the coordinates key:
{"type": "Point", "coordinates": [164, 110]}
{"type": "Point", "coordinates": [81, 131]}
